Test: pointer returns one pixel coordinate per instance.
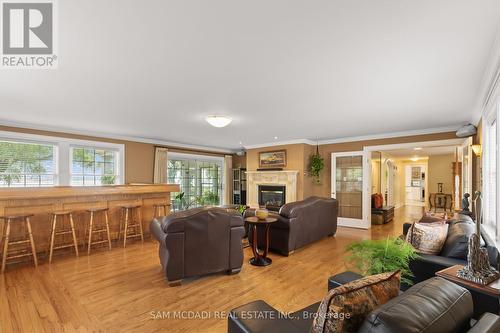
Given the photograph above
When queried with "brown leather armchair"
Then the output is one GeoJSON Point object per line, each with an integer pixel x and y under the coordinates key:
{"type": "Point", "coordinates": [301, 223]}
{"type": "Point", "coordinates": [199, 241]}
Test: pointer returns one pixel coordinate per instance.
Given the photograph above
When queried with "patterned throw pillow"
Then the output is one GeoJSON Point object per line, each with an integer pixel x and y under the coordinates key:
{"type": "Point", "coordinates": [433, 217]}
{"type": "Point", "coordinates": [427, 238]}
{"type": "Point", "coordinates": [345, 308]}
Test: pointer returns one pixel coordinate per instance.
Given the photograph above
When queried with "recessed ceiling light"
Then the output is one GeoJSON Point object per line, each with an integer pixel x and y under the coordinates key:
{"type": "Point", "coordinates": [275, 138]}
{"type": "Point", "coordinates": [417, 148]}
{"type": "Point", "coordinates": [218, 121]}
{"type": "Point", "coordinates": [241, 142]}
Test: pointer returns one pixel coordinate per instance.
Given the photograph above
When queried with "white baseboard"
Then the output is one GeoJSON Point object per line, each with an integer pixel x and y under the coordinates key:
{"type": "Point", "coordinates": [353, 223]}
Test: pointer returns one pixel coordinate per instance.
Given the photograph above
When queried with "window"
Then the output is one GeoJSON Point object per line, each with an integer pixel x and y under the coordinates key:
{"type": "Point", "coordinates": [199, 177]}
{"type": "Point", "coordinates": [93, 166]}
{"type": "Point", "coordinates": [490, 187]}
{"type": "Point", "coordinates": [27, 164]}
{"type": "Point", "coordinates": [29, 160]}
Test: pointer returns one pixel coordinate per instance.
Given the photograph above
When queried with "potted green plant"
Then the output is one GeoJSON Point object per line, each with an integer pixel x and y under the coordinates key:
{"type": "Point", "coordinates": [371, 257]}
{"type": "Point", "coordinates": [316, 165]}
{"type": "Point", "coordinates": [241, 209]}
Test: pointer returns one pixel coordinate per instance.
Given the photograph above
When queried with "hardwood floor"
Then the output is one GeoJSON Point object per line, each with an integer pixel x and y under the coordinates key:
{"type": "Point", "coordinates": [123, 290]}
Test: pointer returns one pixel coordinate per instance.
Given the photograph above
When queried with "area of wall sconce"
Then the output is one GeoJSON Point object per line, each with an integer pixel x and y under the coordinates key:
{"type": "Point", "coordinates": [477, 149]}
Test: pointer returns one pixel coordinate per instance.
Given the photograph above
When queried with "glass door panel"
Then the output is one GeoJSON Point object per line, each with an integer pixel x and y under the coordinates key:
{"type": "Point", "coordinates": [348, 185]}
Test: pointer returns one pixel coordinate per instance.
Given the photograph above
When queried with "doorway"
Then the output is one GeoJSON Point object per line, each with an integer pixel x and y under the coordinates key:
{"type": "Point", "coordinates": [408, 174]}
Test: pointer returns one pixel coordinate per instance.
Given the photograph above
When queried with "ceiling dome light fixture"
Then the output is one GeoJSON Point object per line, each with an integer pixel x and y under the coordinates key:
{"type": "Point", "coordinates": [218, 121]}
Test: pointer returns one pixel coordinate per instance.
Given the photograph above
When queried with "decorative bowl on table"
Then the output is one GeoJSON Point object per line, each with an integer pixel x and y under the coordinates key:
{"type": "Point", "coordinates": [261, 213]}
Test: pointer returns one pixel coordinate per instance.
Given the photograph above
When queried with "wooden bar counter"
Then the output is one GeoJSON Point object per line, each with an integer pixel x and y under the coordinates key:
{"type": "Point", "coordinates": [44, 200]}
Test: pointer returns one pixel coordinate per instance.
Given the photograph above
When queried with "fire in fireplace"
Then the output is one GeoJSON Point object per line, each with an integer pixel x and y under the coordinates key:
{"type": "Point", "coordinates": [272, 197]}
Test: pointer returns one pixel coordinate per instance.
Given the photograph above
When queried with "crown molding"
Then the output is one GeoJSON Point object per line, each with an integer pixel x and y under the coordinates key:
{"type": "Point", "coordinates": [280, 143]}
{"type": "Point", "coordinates": [397, 146]}
{"type": "Point", "coordinates": [158, 142]}
{"type": "Point", "coordinates": [451, 128]}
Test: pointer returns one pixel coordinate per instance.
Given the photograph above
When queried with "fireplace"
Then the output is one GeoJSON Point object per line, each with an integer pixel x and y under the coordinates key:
{"type": "Point", "coordinates": [272, 197]}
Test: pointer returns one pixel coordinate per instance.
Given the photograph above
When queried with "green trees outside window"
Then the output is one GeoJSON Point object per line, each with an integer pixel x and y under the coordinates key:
{"type": "Point", "coordinates": [200, 182]}
{"type": "Point", "coordinates": [90, 166]}
{"type": "Point", "coordinates": [26, 164]}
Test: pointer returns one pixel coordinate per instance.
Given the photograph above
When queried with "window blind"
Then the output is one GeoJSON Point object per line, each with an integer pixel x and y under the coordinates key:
{"type": "Point", "coordinates": [27, 164]}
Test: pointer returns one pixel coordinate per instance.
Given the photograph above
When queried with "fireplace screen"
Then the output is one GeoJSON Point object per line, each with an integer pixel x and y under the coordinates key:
{"type": "Point", "coordinates": [272, 197]}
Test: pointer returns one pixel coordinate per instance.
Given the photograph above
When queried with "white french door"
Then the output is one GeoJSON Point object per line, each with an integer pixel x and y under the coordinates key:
{"type": "Point", "coordinates": [350, 184]}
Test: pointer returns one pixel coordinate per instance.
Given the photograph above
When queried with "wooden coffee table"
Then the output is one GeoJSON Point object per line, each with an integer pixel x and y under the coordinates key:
{"type": "Point", "coordinates": [486, 297]}
{"type": "Point", "coordinates": [254, 222]}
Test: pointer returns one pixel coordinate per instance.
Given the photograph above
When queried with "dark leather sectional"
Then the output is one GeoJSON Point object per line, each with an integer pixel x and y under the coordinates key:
{"type": "Point", "coordinates": [199, 241]}
{"type": "Point", "coordinates": [454, 252]}
{"type": "Point", "coordinates": [433, 306]}
{"type": "Point", "coordinates": [301, 223]}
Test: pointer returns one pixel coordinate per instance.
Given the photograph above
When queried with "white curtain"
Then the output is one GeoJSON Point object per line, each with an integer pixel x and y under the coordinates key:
{"type": "Point", "coordinates": [160, 171]}
{"type": "Point", "coordinates": [228, 182]}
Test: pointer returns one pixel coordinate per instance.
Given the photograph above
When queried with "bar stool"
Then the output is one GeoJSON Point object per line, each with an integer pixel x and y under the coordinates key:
{"type": "Point", "coordinates": [157, 209]}
{"type": "Point", "coordinates": [62, 215]}
{"type": "Point", "coordinates": [128, 213]}
{"type": "Point", "coordinates": [9, 219]}
{"type": "Point", "coordinates": [94, 212]}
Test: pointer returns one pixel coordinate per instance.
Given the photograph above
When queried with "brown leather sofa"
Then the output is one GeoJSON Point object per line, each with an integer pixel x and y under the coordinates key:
{"type": "Point", "coordinates": [301, 223]}
{"type": "Point", "coordinates": [199, 241]}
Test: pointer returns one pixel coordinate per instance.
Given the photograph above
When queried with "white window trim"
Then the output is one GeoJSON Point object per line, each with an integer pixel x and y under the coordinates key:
{"type": "Point", "coordinates": [489, 116]}
{"type": "Point", "coordinates": [202, 158]}
{"type": "Point", "coordinates": [62, 152]}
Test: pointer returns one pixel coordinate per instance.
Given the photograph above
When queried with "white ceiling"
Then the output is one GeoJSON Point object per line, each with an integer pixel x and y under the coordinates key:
{"type": "Point", "coordinates": [293, 69]}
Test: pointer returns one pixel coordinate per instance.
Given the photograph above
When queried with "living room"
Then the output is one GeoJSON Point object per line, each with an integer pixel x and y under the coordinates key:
{"type": "Point", "coordinates": [223, 166]}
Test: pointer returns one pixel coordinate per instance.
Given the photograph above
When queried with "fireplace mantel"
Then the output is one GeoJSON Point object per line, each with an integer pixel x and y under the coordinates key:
{"type": "Point", "coordinates": [286, 178]}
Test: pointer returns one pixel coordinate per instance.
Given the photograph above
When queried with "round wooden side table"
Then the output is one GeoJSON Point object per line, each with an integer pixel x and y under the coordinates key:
{"type": "Point", "coordinates": [260, 259]}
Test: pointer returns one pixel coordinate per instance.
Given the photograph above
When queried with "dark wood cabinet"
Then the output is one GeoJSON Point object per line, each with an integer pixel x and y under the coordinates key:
{"type": "Point", "coordinates": [382, 215]}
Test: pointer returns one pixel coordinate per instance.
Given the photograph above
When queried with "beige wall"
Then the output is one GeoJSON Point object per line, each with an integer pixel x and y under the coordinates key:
{"type": "Point", "coordinates": [440, 171]}
{"type": "Point", "coordinates": [295, 160]}
{"type": "Point", "coordinates": [239, 161]}
{"type": "Point", "coordinates": [326, 151]}
{"type": "Point", "coordinates": [399, 184]}
{"type": "Point", "coordinates": [376, 173]}
{"type": "Point", "coordinates": [298, 159]}
{"type": "Point", "coordinates": [139, 157]}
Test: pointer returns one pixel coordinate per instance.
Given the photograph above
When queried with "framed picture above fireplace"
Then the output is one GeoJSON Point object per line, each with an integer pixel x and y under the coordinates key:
{"type": "Point", "coordinates": [272, 159]}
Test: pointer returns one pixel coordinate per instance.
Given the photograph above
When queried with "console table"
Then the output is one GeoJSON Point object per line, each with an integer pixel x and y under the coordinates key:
{"type": "Point", "coordinates": [441, 200]}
